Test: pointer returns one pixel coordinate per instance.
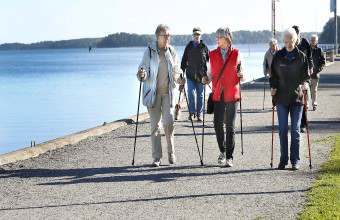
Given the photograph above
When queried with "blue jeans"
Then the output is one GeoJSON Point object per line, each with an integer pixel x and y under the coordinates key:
{"type": "Point", "coordinates": [195, 87]}
{"type": "Point", "coordinates": [295, 118]}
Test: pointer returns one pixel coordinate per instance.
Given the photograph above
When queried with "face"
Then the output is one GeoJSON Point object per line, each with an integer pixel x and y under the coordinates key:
{"type": "Point", "coordinates": [298, 39]}
{"type": "Point", "coordinates": [273, 47]}
{"type": "Point", "coordinates": [163, 39]}
{"type": "Point", "coordinates": [289, 44]}
{"type": "Point", "coordinates": [196, 37]}
{"type": "Point", "coordinates": [313, 41]}
{"type": "Point", "coordinates": [222, 42]}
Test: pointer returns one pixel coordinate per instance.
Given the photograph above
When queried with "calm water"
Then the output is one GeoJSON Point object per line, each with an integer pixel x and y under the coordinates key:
{"type": "Point", "coordinates": [45, 94]}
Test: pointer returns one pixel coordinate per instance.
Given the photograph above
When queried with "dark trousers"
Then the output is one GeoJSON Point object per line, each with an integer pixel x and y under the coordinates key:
{"type": "Point", "coordinates": [230, 110]}
{"type": "Point", "coordinates": [303, 119]}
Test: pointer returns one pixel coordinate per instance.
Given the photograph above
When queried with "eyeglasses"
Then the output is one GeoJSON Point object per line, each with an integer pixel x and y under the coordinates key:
{"type": "Point", "coordinates": [166, 36]}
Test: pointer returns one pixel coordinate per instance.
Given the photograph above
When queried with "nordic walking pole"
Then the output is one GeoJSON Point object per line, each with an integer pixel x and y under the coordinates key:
{"type": "Point", "coordinates": [264, 91]}
{"type": "Point", "coordinates": [239, 81]}
{"type": "Point", "coordinates": [192, 123]}
{"type": "Point", "coordinates": [307, 131]}
{"type": "Point", "coordinates": [134, 147]}
{"type": "Point", "coordinates": [272, 153]}
{"type": "Point", "coordinates": [203, 121]}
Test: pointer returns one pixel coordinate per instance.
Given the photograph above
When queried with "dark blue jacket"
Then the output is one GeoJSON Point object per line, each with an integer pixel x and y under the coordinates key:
{"type": "Point", "coordinates": [194, 61]}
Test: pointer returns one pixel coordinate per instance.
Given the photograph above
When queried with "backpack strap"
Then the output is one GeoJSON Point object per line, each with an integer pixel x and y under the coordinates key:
{"type": "Point", "coordinates": [150, 60]}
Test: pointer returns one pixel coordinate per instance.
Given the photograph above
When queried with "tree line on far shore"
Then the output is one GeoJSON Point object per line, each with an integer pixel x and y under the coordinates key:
{"type": "Point", "coordinates": [134, 40]}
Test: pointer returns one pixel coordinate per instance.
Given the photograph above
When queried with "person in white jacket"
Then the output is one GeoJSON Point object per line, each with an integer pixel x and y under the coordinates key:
{"type": "Point", "coordinates": [268, 57]}
{"type": "Point", "coordinates": [159, 71]}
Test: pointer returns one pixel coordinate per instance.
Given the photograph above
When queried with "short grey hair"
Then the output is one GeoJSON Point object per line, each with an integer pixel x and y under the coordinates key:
{"type": "Point", "coordinates": [291, 34]}
{"type": "Point", "coordinates": [160, 28]}
{"type": "Point", "coordinates": [315, 36]}
{"type": "Point", "coordinates": [224, 32]}
{"type": "Point", "coordinates": [272, 41]}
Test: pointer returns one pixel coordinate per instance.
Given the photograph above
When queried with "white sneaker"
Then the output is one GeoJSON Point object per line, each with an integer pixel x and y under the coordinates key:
{"type": "Point", "coordinates": [229, 163]}
{"type": "Point", "coordinates": [156, 162]}
{"type": "Point", "coordinates": [221, 158]}
{"type": "Point", "coordinates": [171, 158]}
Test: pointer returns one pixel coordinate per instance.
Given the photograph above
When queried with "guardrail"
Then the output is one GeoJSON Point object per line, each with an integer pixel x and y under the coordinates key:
{"type": "Point", "coordinates": [327, 47]}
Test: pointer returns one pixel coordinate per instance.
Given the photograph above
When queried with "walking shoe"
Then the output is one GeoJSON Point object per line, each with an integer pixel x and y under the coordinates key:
{"type": "Point", "coordinates": [314, 108]}
{"type": "Point", "coordinates": [295, 166]}
{"type": "Point", "coordinates": [281, 166]}
{"type": "Point", "coordinates": [302, 129]}
{"type": "Point", "coordinates": [191, 116]}
{"type": "Point", "coordinates": [171, 158]}
{"type": "Point", "coordinates": [156, 162]}
{"type": "Point", "coordinates": [229, 163]}
{"type": "Point", "coordinates": [199, 118]}
{"type": "Point", "coordinates": [221, 159]}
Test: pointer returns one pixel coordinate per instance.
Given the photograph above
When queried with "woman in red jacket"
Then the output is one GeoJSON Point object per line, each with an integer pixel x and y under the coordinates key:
{"type": "Point", "coordinates": [225, 87]}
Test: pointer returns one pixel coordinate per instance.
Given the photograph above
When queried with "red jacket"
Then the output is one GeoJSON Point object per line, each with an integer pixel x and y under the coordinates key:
{"type": "Point", "coordinates": [229, 78]}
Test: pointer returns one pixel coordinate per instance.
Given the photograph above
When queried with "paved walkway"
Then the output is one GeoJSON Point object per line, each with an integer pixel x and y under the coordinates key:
{"type": "Point", "coordinates": [94, 179]}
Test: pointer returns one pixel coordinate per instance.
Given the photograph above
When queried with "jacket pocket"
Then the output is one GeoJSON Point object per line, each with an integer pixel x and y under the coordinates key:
{"type": "Point", "coordinates": [149, 97]}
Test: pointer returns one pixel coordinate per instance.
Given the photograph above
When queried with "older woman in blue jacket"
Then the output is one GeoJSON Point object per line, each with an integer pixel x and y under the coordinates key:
{"type": "Point", "coordinates": [159, 71]}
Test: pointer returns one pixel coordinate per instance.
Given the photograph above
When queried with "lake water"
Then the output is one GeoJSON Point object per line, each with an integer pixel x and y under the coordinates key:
{"type": "Point", "coordinates": [46, 94]}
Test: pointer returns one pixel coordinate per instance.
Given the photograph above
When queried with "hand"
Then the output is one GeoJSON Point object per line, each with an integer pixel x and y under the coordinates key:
{"type": "Point", "coordinates": [240, 75]}
{"type": "Point", "coordinates": [205, 80]}
{"type": "Point", "coordinates": [273, 91]}
{"type": "Point", "coordinates": [182, 81]}
{"type": "Point", "coordinates": [141, 73]}
{"type": "Point", "coordinates": [305, 86]}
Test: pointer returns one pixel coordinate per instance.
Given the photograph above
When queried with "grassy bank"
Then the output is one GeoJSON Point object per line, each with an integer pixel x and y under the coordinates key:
{"type": "Point", "coordinates": [323, 200]}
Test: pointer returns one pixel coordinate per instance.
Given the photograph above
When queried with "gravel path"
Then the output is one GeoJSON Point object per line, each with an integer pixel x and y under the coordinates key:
{"type": "Point", "coordinates": [94, 179]}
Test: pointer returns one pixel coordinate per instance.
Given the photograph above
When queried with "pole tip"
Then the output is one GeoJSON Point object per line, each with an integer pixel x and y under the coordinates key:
{"type": "Point", "coordinates": [271, 165]}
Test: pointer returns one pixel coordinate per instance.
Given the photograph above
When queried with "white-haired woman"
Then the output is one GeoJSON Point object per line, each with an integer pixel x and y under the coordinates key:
{"type": "Point", "coordinates": [159, 71]}
{"type": "Point", "coordinates": [268, 57]}
{"type": "Point", "coordinates": [288, 82]}
{"type": "Point", "coordinates": [225, 86]}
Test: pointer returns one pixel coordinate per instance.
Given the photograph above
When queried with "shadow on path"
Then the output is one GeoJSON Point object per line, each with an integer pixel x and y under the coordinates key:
{"type": "Point", "coordinates": [159, 199]}
{"type": "Point", "coordinates": [119, 174]}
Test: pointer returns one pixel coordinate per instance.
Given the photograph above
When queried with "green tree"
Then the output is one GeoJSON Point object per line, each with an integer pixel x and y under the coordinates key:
{"type": "Point", "coordinates": [327, 35]}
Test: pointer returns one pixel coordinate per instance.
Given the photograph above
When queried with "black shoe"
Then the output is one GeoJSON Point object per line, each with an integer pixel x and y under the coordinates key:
{"type": "Point", "coordinates": [314, 108]}
{"type": "Point", "coordinates": [281, 166]}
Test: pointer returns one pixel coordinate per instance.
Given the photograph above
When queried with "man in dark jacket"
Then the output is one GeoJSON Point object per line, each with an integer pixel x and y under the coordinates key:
{"type": "Point", "coordinates": [303, 45]}
{"type": "Point", "coordinates": [319, 63]}
{"type": "Point", "coordinates": [194, 64]}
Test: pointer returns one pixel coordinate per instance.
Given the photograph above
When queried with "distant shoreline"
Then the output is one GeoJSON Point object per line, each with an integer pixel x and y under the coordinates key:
{"type": "Point", "coordinates": [118, 40]}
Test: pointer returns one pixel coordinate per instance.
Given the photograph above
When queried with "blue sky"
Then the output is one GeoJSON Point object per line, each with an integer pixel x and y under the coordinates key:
{"type": "Point", "coordinates": [28, 21]}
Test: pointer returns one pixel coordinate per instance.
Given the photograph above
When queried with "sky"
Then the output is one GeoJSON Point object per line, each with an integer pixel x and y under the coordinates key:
{"type": "Point", "coordinates": [28, 21]}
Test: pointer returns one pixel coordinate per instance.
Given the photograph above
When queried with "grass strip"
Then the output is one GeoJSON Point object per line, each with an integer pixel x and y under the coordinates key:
{"type": "Point", "coordinates": [323, 200]}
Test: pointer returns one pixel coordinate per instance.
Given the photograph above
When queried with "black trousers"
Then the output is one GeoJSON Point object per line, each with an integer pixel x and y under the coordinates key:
{"type": "Point", "coordinates": [303, 119]}
{"type": "Point", "coordinates": [229, 109]}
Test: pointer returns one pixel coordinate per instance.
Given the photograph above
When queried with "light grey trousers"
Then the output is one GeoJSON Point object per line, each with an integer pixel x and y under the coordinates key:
{"type": "Point", "coordinates": [314, 90]}
{"type": "Point", "coordinates": [162, 110]}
